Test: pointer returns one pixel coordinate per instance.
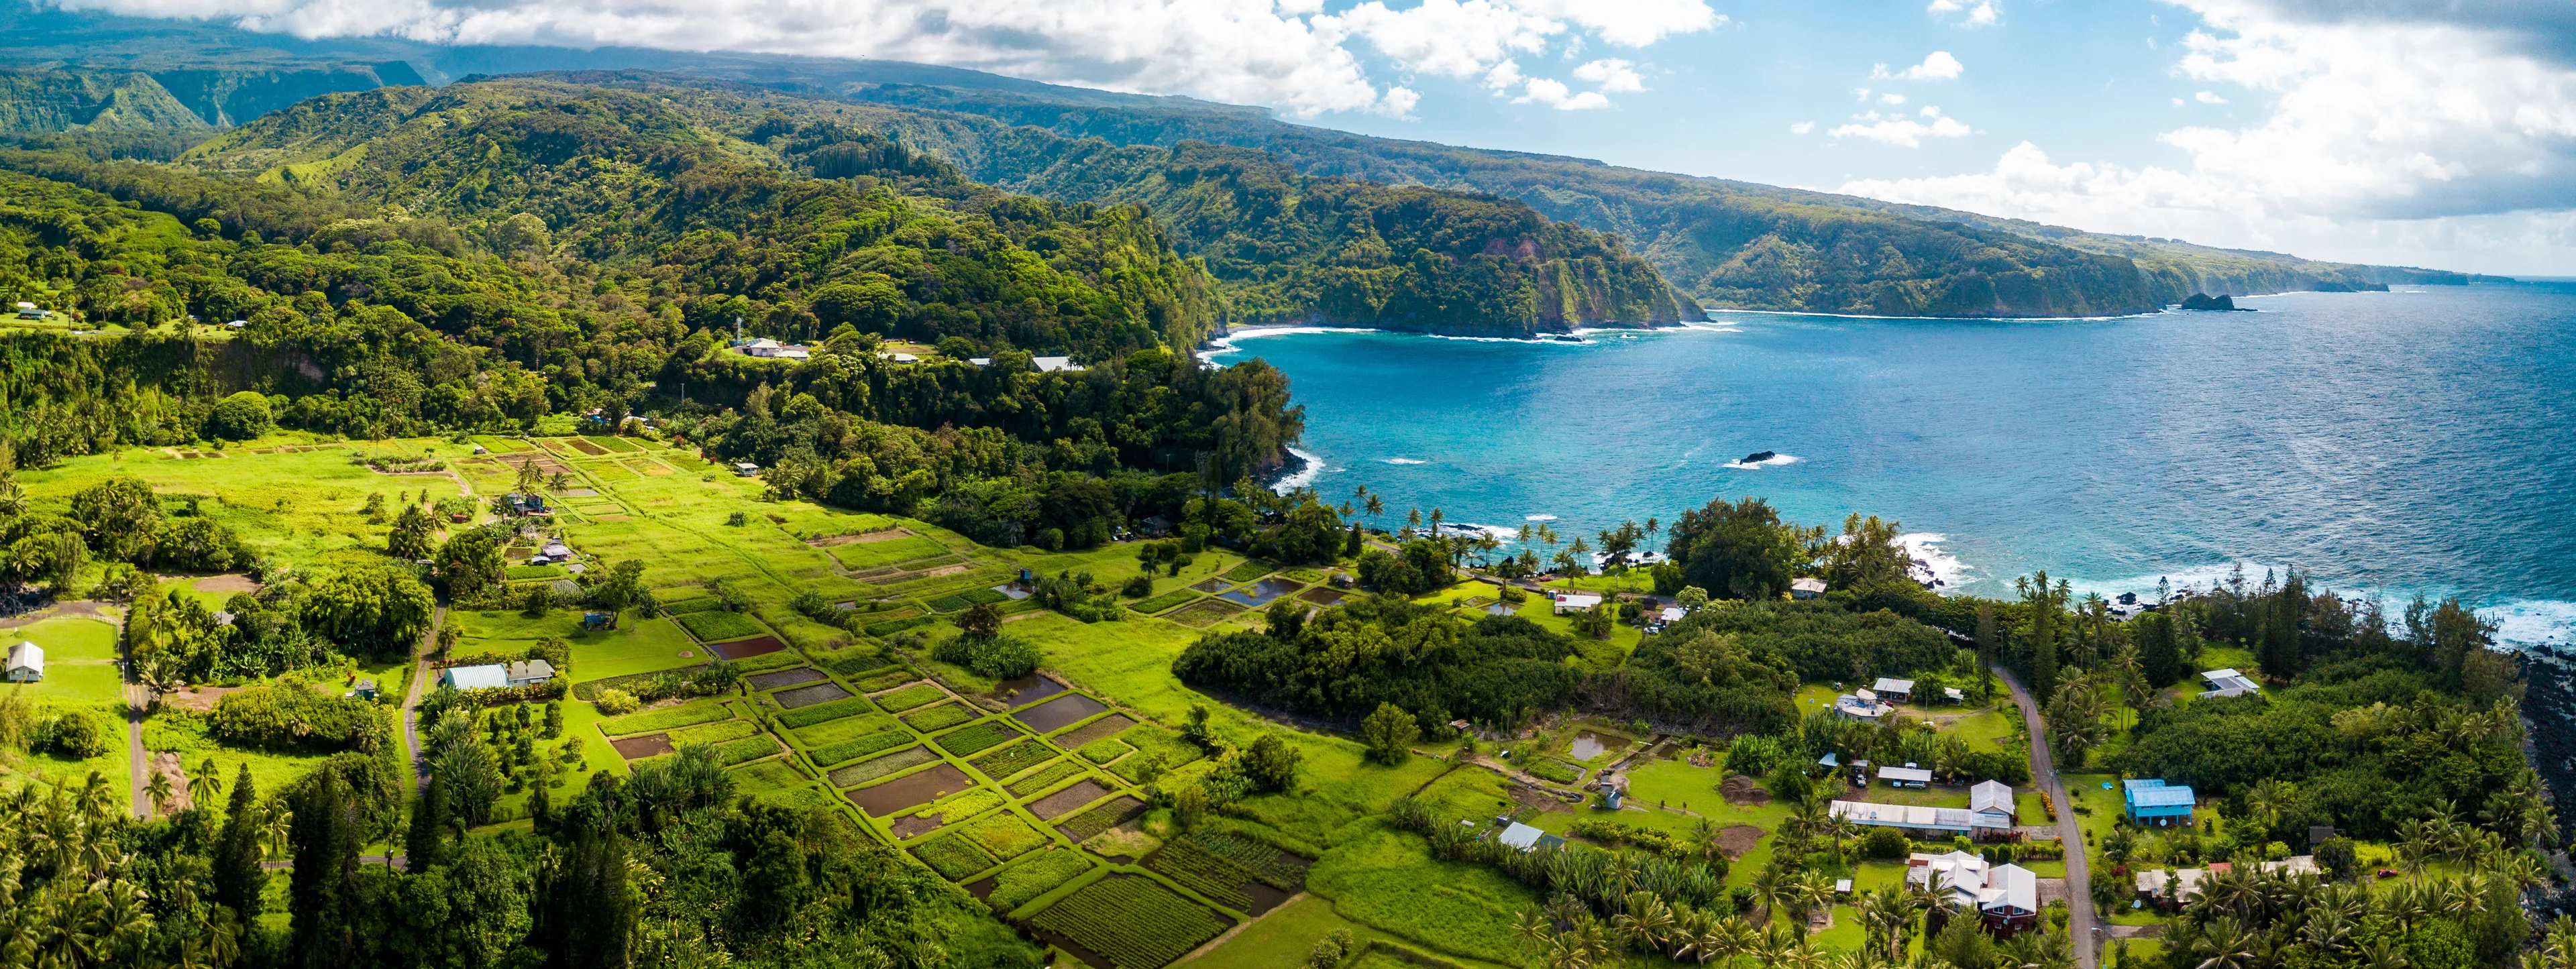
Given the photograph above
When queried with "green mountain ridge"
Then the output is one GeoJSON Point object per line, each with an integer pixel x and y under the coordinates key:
{"type": "Point", "coordinates": [1719, 243]}
{"type": "Point", "coordinates": [1287, 247]}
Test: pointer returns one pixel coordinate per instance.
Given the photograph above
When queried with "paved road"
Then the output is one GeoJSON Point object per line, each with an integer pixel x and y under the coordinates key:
{"type": "Point", "coordinates": [2079, 880]}
{"type": "Point", "coordinates": [139, 763]}
{"type": "Point", "coordinates": [411, 695]}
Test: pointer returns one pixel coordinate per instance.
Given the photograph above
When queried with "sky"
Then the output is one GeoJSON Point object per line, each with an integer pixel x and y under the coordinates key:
{"type": "Point", "coordinates": [2419, 132]}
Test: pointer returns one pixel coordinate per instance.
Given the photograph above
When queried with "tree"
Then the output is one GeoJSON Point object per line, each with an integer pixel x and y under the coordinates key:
{"type": "Point", "coordinates": [528, 478]}
{"type": "Point", "coordinates": [586, 919]}
{"type": "Point", "coordinates": [1389, 733]}
{"type": "Point", "coordinates": [409, 539]}
{"type": "Point", "coordinates": [159, 792]}
{"type": "Point", "coordinates": [425, 844]}
{"type": "Point", "coordinates": [322, 892]}
{"type": "Point", "coordinates": [374, 608]}
{"type": "Point", "coordinates": [982, 620]}
{"type": "Point", "coordinates": [619, 588]}
{"type": "Point", "coordinates": [1271, 763]}
{"type": "Point", "coordinates": [119, 517]}
{"type": "Point", "coordinates": [240, 417]}
{"type": "Point", "coordinates": [469, 563]}
{"type": "Point", "coordinates": [237, 877]}
{"type": "Point", "coordinates": [1742, 549]}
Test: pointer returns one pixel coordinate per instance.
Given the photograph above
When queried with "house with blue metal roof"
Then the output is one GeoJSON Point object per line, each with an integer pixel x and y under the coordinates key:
{"type": "Point", "coordinates": [2157, 804]}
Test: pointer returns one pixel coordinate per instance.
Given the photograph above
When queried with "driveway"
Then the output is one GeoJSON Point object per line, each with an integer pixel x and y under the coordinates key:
{"type": "Point", "coordinates": [2043, 770]}
{"type": "Point", "coordinates": [411, 696]}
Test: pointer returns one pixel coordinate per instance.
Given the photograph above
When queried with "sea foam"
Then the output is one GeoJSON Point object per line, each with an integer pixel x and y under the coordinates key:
{"type": "Point", "coordinates": [1305, 475]}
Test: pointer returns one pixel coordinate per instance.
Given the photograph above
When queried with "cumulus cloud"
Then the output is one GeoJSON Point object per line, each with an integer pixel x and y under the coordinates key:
{"type": "Point", "coordinates": [2208, 97]}
{"type": "Point", "coordinates": [1289, 54]}
{"type": "Point", "coordinates": [1981, 13]}
{"type": "Point", "coordinates": [1902, 131]}
{"type": "Point", "coordinates": [1611, 76]}
{"type": "Point", "coordinates": [1802, 127]}
{"type": "Point", "coordinates": [1891, 98]}
{"type": "Point", "coordinates": [1556, 95]}
{"type": "Point", "coordinates": [1940, 66]}
{"type": "Point", "coordinates": [2401, 127]}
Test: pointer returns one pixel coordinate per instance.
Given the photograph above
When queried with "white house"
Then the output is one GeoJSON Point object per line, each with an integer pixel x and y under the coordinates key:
{"type": "Point", "coordinates": [1056, 365]}
{"type": "Point", "coordinates": [1991, 807]}
{"type": "Point", "coordinates": [529, 672]}
{"type": "Point", "coordinates": [489, 676]}
{"type": "Point", "coordinates": [26, 663]}
{"type": "Point", "coordinates": [1672, 614]}
{"type": "Point", "coordinates": [2228, 682]}
{"type": "Point", "coordinates": [1575, 602]}
{"type": "Point", "coordinates": [2005, 897]}
{"type": "Point", "coordinates": [1863, 706]}
{"type": "Point", "coordinates": [746, 469]}
{"type": "Point", "coordinates": [1806, 588]}
{"type": "Point", "coordinates": [1894, 689]}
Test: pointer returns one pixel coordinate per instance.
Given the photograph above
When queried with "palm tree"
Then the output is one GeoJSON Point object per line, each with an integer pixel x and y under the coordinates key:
{"type": "Point", "coordinates": [1647, 922]}
{"type": "Point", "coordinates": [1884, 914]}
{"type": "Point", "coordinates": [2383, 953]}
{"type": "Point", "coordinates": [205, 785]}
{"type": "Point", "coordinates": [94, 806]}
{"type": "Point", "coordinates": [280, 820]}
{"type": "Point", "coordinates": [159, 790]}
{"type": "Point", "coordinates": [2224, 944]}
{"type": "Point", "coordinates": [1770, 887]}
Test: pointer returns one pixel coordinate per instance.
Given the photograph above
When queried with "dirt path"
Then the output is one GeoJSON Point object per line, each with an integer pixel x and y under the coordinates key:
{"type": "Point", "coordinates": [411, 695]}
{"type": "Point", "coordinates": [138, 763]}
{"type": "Point", "coordinates": [2043, 770]}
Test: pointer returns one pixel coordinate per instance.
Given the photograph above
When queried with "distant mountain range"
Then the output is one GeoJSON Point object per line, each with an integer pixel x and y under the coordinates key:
{"type": "Point", "coordinates": [1268, 205]}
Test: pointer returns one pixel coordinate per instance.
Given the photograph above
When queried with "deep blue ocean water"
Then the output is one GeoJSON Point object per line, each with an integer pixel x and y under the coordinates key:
{"type": "Point", "coordinates": [2387, 443]}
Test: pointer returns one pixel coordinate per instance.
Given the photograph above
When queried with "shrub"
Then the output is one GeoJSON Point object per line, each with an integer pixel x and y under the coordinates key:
{"type": "Point", "coordinates": [999, 657]}
{"type": "Point", "coordinates": [1884, 843]}
{"type": "Point", "coordinates": [76, 734]}
{"type": "Point", "coordinates": [1752, 756]}
{"type": "Point", "coordinates": [291, 718]}
{"type": "Point", "coordinates": [239, 417]}
{"type": "Point", "coordinates": [1137, 587]}
{"type": "Point", "coordinates": [612, 702]}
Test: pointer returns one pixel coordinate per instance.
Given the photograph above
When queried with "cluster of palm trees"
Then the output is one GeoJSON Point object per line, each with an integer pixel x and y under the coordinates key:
{"type": "Point", "coordinates": [71, 897]}
{"type": "Point", "coordinates": [2249, 918]}
{"type": "Point", "coordinates": [1566, 934]}
{"type": "Point", "coordinates": [2083, 698]}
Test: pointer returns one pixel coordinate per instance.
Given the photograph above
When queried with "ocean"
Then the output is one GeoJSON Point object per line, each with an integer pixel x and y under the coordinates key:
{"type": "Point", "coordinates": [2388, 444]}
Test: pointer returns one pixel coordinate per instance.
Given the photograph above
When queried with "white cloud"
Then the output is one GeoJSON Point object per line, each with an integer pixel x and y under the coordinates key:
{"type": "Point", "coordinates": [1891, 98]}
{"type": "Point", "coordinates": [1611, 76]}
{"type": "Point", "coordinates": [1901, 131]}
{"type": "Point", "coordinates": [2208, 97]}
{"type": "Point", "coordinates": [1940, 66]}
{"type": "Point", "coordinates": [1556, 95]}
{"type": "Point", "coordinates": [1802, 127]}
{"type": "Point", "coordinates": [1289, 53]}
{"type": "Point", "coordinates": [1981, 13]}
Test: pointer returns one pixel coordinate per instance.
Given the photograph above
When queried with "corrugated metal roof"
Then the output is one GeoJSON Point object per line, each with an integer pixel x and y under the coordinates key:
{"type": "Point", "coordinates": [1991, 795]}
{"type": "Point", "coordinates": [2147, 797]}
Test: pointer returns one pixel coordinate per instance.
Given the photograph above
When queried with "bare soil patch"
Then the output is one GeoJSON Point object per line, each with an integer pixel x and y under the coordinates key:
{"type": "Point", "coordinates": [200, 699]}
{"type": "Point", "coordinates": [1059, 713]}
{"type": "Point", "coordinates": [227, 584]}
{"type": "Point", "coordinates": [1107, 726]}
{"type": "Point", "coordinates": [586, 447]}
{"type": "Point", "coordinates": [784, 678]}
{"type": "Point", "coordinates": [1064, 802]}
{"type": "Point", "coordinates": [1738, 839]}
{"type": "Point", "coordinates": [748, 648]}
{"type": "Point", "coordinates": [1321, 596]}
{"type": "Point", "coordinates": [166, 764]}
{"type": "Point", "coordinates": [638, 748]}
{"type": "Point", "coordinates": [1741, 790]}
{"type": "Point", "coordinates": [911, 790]}
{"type": "Point", "coordinates": [810, 695]}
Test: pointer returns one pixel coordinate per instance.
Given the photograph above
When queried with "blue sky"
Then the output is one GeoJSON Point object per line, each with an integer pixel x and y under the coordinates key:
{"type": "Point", "coordinates": [2425, 132]}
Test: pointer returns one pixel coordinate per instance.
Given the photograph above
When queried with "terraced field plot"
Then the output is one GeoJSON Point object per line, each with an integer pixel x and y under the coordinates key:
{"type": "Point", "coordinates": [1131, 922]}
{"type": "Point", "coordinates": [1059, 713]}
{"type": "Point", "coordinates": [912, 790]}
{"type": "Point", "coordinates": [788, 677]}
{"type": "Point", "coordinates": [1062, 802]}
{"type": "Point", "coordinates": [809, 695]}
{"type": "Point", "coordinates": [1108, 726]}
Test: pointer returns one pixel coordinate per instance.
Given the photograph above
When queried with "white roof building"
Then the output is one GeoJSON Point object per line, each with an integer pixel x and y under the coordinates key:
{"type": "Point", "coordinates": [1807, 588]}
{"type": "Point", "coordinates": [1971, 883]}
{"type": "Point", "coordinates": [1891, 685]}
{"type": "Point", "coordinates": [1941, 820]}
{"type": "Point", "coordinates": [1576, 601]}
{"type": "Point", "coordinates": [529, 672]}
{"type": "Point", "coordinates": [1864, 707]}
{"type": "Point", "coordinates": [1990, 805]}
{"type": "Point", "coordinates": [26, 663]}
{"type": "Point", "coordinates": [1673, 613]}
{"type": "Point", "coordinates": [2228, 682]}
{"type": "Point", "coordinates": [1056, 365]}
{"type": "Point", "coordinates": [1520, 836]}
{"type": "Point", "coordinates": [1901, 776]}
{"type": "Point", "coordinates": [489, 676]}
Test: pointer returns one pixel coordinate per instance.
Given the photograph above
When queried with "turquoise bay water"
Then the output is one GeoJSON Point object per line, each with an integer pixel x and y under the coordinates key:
{"type": "Point", "coordinates": [2388, 443]}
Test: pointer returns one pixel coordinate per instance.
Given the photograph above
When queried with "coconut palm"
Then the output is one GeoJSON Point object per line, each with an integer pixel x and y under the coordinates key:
{"type": "Point", "coordinates": [159, 790]}
{"type": "Point", "coordinates": [206, 784]}
{"type": "Point", "coordinates": [2224, 944]}
{"type": "Point", "coordinates": [280, 821]}
{"type": "Point", "coordinates": [1646, 923]}
{"type": "Point", "coordinates": [1885, 914]}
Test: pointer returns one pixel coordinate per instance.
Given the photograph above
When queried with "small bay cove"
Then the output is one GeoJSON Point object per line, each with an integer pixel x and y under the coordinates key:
{"type": "Point", "coordinates": [2390, 443]}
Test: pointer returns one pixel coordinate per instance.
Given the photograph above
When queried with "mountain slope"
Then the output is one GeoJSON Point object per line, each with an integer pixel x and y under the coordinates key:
{"type": "Point", "coordinates": [1287, 247]}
